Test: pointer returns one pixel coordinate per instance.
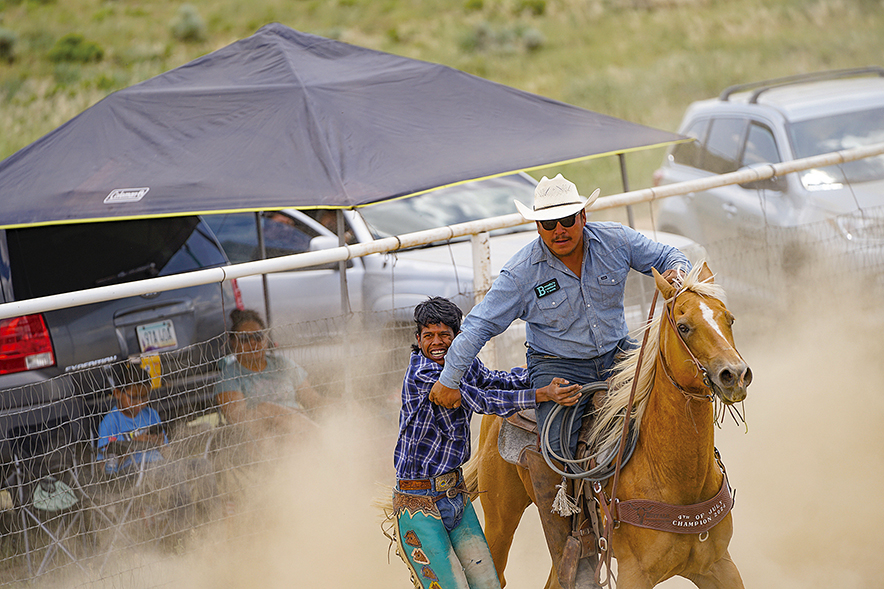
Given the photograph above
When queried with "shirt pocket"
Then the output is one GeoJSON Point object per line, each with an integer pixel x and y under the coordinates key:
{"type": "Point", "coordinates": [555, 309]}
{"type": "Point", "coordinates": [612, 279]}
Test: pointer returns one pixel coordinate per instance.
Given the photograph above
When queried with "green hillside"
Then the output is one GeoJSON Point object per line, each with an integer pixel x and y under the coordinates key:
{"type": "Point", "coordinates": [641, 60]}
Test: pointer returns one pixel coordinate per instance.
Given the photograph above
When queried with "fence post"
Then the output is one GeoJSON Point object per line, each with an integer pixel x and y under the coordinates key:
{"type": "Point", "coordinates": [481, 247]}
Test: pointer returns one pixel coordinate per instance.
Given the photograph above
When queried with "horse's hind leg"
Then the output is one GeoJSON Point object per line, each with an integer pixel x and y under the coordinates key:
{"type": "Point", "coordinates": [501, 519]}
{"type": "Point", "coordinates": [722, 575]}
{"type": "Point", "coordinates": [503, 499]}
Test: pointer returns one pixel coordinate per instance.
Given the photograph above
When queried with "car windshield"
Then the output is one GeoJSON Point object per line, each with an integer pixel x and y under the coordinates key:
{"type": "Point", "coordinates": [834, 133]}
{"type": "Point", "coordinates": [471, 201]}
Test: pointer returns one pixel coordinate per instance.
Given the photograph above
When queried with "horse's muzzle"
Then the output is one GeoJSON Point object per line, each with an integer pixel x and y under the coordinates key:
{"type": "Point", "coordinates": [730, 381]}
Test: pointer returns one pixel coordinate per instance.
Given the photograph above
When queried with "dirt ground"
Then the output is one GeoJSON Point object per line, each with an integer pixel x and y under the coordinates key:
{"type": "Point", "coordinates": [808, 474]}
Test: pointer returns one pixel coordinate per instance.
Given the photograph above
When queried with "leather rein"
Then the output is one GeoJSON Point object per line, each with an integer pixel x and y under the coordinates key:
{"type": "Point", "coordinates": [698, 518]}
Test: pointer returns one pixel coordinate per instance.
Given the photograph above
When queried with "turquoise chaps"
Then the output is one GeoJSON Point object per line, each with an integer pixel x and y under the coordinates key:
{"type": "Point", "coordinates": [439, 557]}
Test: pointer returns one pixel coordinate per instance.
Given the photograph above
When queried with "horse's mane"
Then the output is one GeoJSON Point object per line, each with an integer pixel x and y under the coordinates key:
{"type": "Point", "coordinates": [609, 422]}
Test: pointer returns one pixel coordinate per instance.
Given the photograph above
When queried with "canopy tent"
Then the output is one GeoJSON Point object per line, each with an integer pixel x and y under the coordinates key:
{"type": "Point", "coordinates": [287, 119]}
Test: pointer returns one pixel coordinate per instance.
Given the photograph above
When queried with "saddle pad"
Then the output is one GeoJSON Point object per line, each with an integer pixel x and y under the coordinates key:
{"type": "Point", "coordinates": [512, 440]}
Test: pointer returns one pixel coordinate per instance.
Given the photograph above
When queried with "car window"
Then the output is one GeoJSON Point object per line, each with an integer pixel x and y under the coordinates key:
{"type": "Point", "coordinates": [64, 258]}
{"type": "Point", "coordinates": [761, 147]}
{"type": "Point", "coordinates": [238, 234]}
{"type": "Point", "coordinates": [688, 154]}
{"type": "Point", "coordinates": [723, 145]}
{"type": "Point", "coordinates": [328, 218]}
{"type": "Point", "coordinates": [450, 205]}
{"type": "Point", "coordinates": [834, 133]}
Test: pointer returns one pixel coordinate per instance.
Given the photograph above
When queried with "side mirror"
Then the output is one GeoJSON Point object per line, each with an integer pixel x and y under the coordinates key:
{"type": "Point", "coordinates": [326, 242]}
{"type": "Point", "coordinates": [323, 242]}
{"type": "Point", "coordinates": [776, 183]}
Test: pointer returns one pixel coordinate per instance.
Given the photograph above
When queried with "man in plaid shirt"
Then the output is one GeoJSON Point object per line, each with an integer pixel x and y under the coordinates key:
{"type": "Point", "coordinates": [437, 531]}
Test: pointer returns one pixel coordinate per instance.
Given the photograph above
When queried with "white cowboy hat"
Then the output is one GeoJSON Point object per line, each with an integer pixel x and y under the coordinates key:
{"type": "Point", "coordinates": [554, 199]}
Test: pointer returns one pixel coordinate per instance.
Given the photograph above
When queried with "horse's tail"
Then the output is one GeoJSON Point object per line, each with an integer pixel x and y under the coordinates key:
{"type": "Point", "coordinates": [384, 501]}
{"type": "Point", "coordinates": [471, 477]}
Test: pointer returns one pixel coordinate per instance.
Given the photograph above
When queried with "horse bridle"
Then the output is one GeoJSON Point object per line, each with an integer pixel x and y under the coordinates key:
{"type": "Point", "coordinates": [669, 312]}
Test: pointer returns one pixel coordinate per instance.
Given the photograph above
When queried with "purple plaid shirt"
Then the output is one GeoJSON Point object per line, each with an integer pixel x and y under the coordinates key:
{"type": "Point", "coordinates": [434, 440]}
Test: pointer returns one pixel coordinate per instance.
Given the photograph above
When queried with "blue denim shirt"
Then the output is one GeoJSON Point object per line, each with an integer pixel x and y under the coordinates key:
{"type": "Point", "coordinates": [565, 316]}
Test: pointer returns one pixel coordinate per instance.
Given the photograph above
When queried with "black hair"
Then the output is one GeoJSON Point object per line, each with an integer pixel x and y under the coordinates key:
{"type": "Point", "coordinates": [128, 373]}
{"type": "Point", "coordinates": [240, 316]}
{"type": "Point", "coordinates": [436, 310]}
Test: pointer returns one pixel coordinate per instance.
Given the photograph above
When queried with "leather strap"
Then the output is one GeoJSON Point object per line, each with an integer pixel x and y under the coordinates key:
{"type": "Point", "coordinates": [441, 483]}
{"type": "Point", "coordinates": [415, 484]}
{"type": "Point", "coordinates": [678, 519]}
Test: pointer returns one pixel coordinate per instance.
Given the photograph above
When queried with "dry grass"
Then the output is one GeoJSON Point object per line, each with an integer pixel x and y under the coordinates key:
{"type": "Point", "coordinates": [641, 60]}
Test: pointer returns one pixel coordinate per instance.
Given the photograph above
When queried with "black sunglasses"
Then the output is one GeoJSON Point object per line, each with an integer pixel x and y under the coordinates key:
{"type": "Point", "coordinates": [565, 221]}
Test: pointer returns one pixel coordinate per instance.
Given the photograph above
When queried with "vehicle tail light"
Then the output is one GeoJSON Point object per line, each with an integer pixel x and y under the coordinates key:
{"type": "Point", "coordinates": [25, 344]}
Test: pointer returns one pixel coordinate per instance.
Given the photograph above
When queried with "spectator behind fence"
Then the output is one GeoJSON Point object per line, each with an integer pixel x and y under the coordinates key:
{"type": "Point", "coordinates": [265, 392]}
{"type": "Point", "coordinates": [132, 434]}
{"type": "Point", "coordinates": [131, 422]}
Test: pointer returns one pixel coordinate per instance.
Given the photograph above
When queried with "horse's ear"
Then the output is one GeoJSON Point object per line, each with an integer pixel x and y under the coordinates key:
{"type": "Point", "coordinates": [666, 289]}
{"type": "Point", "coordinates": [706, 274]}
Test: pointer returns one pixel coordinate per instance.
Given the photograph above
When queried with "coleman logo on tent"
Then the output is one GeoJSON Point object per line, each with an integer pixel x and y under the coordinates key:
{"type": "Point", "coordinates": [125, 195]}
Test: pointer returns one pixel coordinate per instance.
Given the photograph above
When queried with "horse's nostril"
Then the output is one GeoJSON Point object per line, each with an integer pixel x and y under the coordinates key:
{"type": "Point", "coordinates": [747, 376]}
{"type": "Point", "coordinates": [727, 377]}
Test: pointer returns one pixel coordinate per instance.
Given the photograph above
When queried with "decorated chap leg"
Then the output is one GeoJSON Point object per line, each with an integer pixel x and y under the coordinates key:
{"type": "Point", "coordinates": [472, 550]}
{"type": "Point", "coordinates": [423, 543]}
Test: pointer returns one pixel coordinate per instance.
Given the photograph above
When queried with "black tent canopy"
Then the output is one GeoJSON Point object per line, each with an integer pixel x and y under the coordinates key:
{"type": "Point", "coordinates": [287, 119]}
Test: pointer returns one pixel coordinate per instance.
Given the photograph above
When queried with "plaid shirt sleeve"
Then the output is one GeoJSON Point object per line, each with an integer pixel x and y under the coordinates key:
{"type": "Point", "coordinates": [495, 391]}
{"type": "Point", "coordinates": [434, 440]}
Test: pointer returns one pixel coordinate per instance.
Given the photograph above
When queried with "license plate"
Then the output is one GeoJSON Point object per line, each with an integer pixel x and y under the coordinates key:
{"type": "Point", "coordinates": [155, 337]}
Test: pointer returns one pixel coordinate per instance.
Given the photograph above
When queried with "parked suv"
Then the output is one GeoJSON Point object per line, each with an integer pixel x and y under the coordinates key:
{"type": "Point", "coordinates": [51, 363]}
{"type": "Point", "coordinates": [840, 207]}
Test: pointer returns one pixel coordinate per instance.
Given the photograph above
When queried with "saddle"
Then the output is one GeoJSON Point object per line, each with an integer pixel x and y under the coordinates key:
{"type": "Point", "coordinates": [519, 431]}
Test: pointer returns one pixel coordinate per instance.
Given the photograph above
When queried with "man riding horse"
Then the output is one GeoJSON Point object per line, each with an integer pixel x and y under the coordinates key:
{"type": "Point", "coordinates": [568, 287]}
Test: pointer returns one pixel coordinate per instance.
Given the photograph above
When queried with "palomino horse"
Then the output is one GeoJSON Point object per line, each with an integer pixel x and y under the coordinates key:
{"type": "Point", "coordinates": [689, 362]}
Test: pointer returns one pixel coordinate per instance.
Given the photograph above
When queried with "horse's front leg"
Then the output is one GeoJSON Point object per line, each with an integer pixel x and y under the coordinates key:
{"type": "Point", "coordinates": [722, 575]}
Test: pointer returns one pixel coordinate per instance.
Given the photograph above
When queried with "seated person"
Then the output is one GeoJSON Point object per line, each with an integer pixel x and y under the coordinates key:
{"type": "Point", "coordinates": [131, 420]}
{"type": "Point", "coordinates": [263, 391]}
{"type": "Point", "coordinates": [131, 434]}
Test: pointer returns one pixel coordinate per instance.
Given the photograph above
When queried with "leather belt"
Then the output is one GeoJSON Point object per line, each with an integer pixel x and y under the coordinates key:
{"type": "Point", "coordinates": [441, 483]}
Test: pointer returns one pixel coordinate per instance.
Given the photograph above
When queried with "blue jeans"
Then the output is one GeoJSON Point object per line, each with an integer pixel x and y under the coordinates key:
{"type": "Point", "coordinates": [542, 369]}
{"type": "Point", "coordinates": [443, 544]}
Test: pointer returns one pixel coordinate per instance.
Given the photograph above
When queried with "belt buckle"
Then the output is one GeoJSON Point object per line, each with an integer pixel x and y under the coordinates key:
{"type": "Point", "coordinates": [446, 481]}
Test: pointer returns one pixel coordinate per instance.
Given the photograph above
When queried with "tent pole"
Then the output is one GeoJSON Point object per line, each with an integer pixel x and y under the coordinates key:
{"type": "Point", "coordinates": [263, 250]}
{"type": "Point", "coordinates": [630, 218]}
{"type": "Point", "coordinates": [341, 227]}
{"type": "Point", "coordinates": [342, 264]}
{"type": "Point", "coordinates": [645, 296]}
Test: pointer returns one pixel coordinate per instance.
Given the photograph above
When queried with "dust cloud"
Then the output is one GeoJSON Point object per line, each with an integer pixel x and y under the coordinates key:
{"type": "Point", "coordinates": [808, 474]}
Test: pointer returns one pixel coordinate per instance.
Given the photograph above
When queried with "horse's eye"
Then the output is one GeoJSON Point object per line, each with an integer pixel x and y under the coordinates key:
{"type": "Point", "coordinates": [683, 329]}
